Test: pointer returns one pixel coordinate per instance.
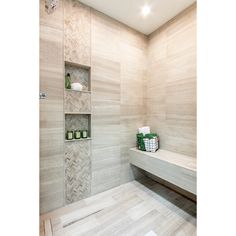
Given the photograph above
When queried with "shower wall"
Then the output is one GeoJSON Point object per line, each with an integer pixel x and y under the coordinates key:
{"type": "Point", "coordinates": [51, 109]}
{"type": "Point", "coordinates": [135, 80]}
{"type": "Point", "coordinates": [117, 56]}
{"type": "Point", "coordinates": [118, 60]}
{"type": "Point", "coordinates": [171, 84]}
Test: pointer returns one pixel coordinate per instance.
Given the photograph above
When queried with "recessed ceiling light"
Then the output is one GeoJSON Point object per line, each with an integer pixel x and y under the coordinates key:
{"type": "Point", "coordinates": [146, 10]}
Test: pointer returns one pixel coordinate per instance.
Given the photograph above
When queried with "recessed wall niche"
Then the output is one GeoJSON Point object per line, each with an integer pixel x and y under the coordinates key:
{"type": "Point", "coordinates": [77, 108]}
{"type": "Point", "coordinates": [78, 101]}
{"type": "Point", "coordinates": [78, 122]}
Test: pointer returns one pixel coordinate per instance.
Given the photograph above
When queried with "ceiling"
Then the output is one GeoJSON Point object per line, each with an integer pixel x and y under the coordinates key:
{"type": "Point", "coordinates": [129, 11]}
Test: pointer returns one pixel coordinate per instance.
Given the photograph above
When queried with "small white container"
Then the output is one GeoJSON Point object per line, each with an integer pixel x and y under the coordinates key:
{"type": "Point", "coordinates": [77, 86]}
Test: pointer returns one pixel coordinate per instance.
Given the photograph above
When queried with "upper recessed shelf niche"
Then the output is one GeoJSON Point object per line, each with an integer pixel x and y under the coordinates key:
{"type": "Point", "coordinates": [78, 101]}
{"type": "Point", "coordinates": [79, 74]}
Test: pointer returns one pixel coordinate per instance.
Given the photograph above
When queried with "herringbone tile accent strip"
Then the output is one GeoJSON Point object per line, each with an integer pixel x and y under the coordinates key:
{"type": "Point", "coordinates": [77, 171]}
{"type": "Point", "coordinates": [77, 32]}
{"type": "Point", "coordinates": [77, 102]}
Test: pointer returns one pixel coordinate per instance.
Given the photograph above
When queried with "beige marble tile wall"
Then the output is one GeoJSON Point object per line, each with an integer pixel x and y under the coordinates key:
{"type": "Point", "coordinates": [171, 84]}
{"type": "Point", "coordinates": [118, 72]}
{"type": "Point", "coordinates": [127, 91]}
{"type": "Point", "coordinates": [105, 85]}
{"type": "Point", "coordinates": [118, 59]}
{"type": "Point", "coordinates": [51, 109]}
{"type": "Point", "coordinates": [133, 65]}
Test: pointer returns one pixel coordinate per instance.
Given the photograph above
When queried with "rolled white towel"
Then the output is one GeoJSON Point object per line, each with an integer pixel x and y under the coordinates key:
{"type": "Point", "coordinates": [77, 86]}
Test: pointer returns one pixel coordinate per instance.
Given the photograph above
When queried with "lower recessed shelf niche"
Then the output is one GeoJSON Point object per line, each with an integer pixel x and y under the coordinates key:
{"type": "Point", "coordinates": [78, 121]}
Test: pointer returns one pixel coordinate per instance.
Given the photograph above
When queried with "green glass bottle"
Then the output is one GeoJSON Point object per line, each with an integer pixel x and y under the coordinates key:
{"type": "Point", "coordinates": [68, 81]}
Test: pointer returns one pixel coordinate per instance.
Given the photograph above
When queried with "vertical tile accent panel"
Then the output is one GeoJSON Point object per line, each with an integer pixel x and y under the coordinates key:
{"type": "Point", "coordinates": [133, 59]}
{"type": "Point", "coordinates": [77, 49]}
{"type": "Point", "coordinates": [77, 170]}
{"type": "Point", "coordinates": [77, 101]}
{"type": "Point", "coordinates": [51, 109]}
{"type": "Point", "coordinates": [118, 72]}
{"type": "Point", "coordinates": [105, 74]}
{"type": "Point", "coordinates": [77, 32]}
{"type": "Point", "coordinates": [171, 87]}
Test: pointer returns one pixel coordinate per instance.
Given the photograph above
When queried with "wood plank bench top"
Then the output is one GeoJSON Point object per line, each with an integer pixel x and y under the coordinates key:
{"type": "Point", "coordinates": [175, 168]}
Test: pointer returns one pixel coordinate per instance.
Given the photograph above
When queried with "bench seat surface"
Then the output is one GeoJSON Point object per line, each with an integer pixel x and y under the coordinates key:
{"type": "Point", "coordinates": [176, 168]}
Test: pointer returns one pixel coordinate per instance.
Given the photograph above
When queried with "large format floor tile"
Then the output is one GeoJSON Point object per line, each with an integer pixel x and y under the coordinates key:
{"type": "Point", "coordinates": [142, 207]}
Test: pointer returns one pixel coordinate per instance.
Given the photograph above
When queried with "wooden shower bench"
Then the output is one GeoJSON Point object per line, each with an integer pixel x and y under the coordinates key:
{"type": "Point", "coordinates": [175, 168]}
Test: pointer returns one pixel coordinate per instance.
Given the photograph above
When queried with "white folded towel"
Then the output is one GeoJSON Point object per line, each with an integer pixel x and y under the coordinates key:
{"type": "Point", "coordinates": [77, 86]}
{"type": "Point", "coordinates": [144, 130]}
